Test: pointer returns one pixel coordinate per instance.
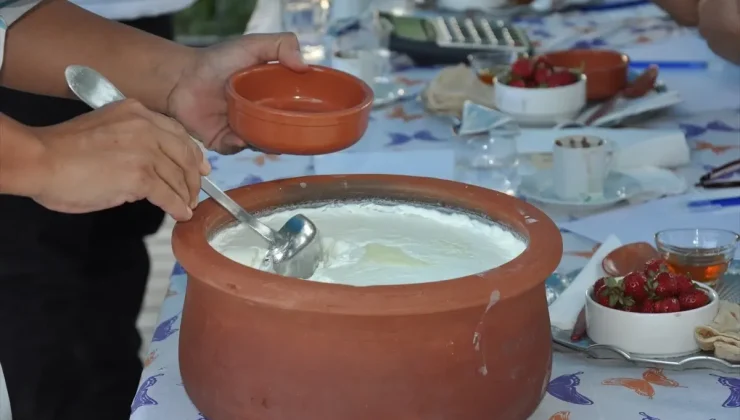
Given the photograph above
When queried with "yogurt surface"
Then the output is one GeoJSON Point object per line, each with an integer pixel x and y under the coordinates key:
{"type": "Point", "coordinates": [372, 244]}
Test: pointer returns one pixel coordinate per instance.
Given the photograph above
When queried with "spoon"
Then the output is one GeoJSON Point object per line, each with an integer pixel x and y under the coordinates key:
{"type": "Point", "coordinates": [639, 87]}
{"type": "Point", "coordinates": [294, 251]}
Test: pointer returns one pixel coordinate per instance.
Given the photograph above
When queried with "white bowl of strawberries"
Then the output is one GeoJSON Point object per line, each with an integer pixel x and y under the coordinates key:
{"type": "Point", "coordinates": [534, 92]}
{"type": "Point", "coordinates": [650, 313]}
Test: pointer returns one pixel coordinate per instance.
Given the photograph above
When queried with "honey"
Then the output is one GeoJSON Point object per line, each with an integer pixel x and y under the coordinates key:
{"type": "Point", "coordinates": [703, 266]}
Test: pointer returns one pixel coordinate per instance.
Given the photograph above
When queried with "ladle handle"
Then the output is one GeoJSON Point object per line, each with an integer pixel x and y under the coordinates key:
{"type": "Point", "coordinates": [236, 210]}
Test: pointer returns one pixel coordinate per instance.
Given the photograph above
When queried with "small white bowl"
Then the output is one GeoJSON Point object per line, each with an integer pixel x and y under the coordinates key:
{"type": "Point", "coordinates": [649, 335]}
{"type": "Point", "coordinates": [541, 106]}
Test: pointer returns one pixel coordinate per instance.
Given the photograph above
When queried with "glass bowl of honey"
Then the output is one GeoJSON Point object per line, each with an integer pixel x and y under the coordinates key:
{"type": "Point", "coordinates": [702, 253]}
{"type": "Point", "coordinates": [489, 64]}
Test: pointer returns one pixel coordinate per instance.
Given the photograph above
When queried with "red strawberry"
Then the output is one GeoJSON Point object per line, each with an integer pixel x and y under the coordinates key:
{"type": "Point", "coordinates": [522, 68]}
{"type": "Point", "coordinates": [543, 63]}
{"type": "Point", "coordinates": [693, 300]}
{"type": "Point", "coordinates": [635, 286]}
{"type": "Point", "coordinates": [683, 284]}
{"type": "Point", "coordinates": [664, 285]}
{"type": "Point", "coordinates": [647, 307]}
{"type": "Point", "coordinates": [599, 284]}
{"type": "Point", "coordinates": [541, 75]}
{"type": "Point", "coordinates": [667, 305]}
{"type": "Point", "coordinates": [561, 78]}
{"type": "Point", "coordinates": [630, 308]}
{"type": "Point", "coordinates": [518, 83]}
{"type": "Point", "coordinates": [655, 266]}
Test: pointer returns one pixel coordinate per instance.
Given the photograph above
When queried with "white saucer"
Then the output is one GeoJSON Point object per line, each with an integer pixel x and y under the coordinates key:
{"type": "Point", "coordinates": [387, 91]}
{"type": "Point", "coordinates": [617, 187]}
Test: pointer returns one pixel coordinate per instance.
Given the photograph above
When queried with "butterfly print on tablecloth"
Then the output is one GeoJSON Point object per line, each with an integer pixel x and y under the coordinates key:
{"type": "Point", "coordinates": [564, 388]}
{"type": "Point", "coordinates": [212, 160]}
{"type": "Point", "coordinates": [398, 139]}
{"type": "Point", "coordinates": [177, 270]}
{"type": "Point", "coordinates": [165, 329]}
{"type": "Point", "coordinates": [733, 401]}
{"type": "Point", "coordinates": [399, 113]}
{"type": "Point", "coordinates": [561, 415]}
{"type": "Point", "coordinates": [249, 180]}
{"type": "Point", "coordinates": [694, 130]}
{"type": "Point", "coordinates": [717, 149]}
{"type": "Point", "coordinates": [142, 397]}
{"type": "Point", "coordinates": [408, 82]}
{"type": "Point", "coordinates": [644, 386]}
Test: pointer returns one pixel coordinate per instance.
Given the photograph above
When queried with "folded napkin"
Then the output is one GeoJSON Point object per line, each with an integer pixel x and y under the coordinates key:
{"type": "Point", "coordinates": [447, 93]}
{"type": "Point", "coordinates": [632, 147]}
{"type": "Point", "coordinates": [722, 336]}
{"type": "Point", "coordinates": [565, 309]}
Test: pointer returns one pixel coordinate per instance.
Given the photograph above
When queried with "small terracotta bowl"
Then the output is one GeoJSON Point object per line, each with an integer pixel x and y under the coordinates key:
{"type": "Point", "coordinates": [277, 110]}
{"type": "Point", "coordinates": [605, 70]}
{"type": "Point", "coordinates": [649, 335]}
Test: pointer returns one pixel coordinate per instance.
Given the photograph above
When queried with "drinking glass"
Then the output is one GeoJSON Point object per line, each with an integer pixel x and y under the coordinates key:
{"type": "Point", "coordinates": [308, 20]}
{"type": "Point", "coordinates": [490, 159]}
{"type": "Point", "coordinates": [704, 254]}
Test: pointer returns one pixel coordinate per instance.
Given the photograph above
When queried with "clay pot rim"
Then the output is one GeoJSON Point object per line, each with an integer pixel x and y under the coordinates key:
{"type": "Point", "coordinates": [623, 64]}
{"type": "Point", "coordinates": [246, 106]}
{"type": "Point", "coordinates": [289, 121]}
{"type": "Point", "coordinates": [204, 264]}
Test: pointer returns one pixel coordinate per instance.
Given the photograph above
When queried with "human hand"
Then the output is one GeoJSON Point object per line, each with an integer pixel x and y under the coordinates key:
{"type": "Point", "coordinates": [719, 24]}
{"type": "Point", "coordinates": [120, 153]}
{"type": "Point", "coordinates": [198, 99]}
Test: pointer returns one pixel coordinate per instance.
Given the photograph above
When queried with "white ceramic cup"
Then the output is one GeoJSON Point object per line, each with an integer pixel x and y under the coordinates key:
{"type": "Point", "coordinates": [580, 166]}
{"type": "Point", "coordinates": [367, 65]}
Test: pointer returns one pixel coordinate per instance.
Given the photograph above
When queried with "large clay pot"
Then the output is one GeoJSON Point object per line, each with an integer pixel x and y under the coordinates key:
{"type": "Point", "coordinates": [257, 346]}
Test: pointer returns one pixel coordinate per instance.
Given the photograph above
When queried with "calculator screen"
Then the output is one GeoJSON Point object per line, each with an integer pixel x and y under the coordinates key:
{"type": "Point", "coordinates": [412, 28]}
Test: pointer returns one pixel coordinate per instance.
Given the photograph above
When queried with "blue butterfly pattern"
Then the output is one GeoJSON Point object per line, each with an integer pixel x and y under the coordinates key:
{"type": "Point", "coordinates": [647, 416]}
{"type": "Point", "coordinates": [564, 388]}
{"type": "Point", "coordinates": [398, 139]}
{"type": "Point", "coordinates": [589, 44]}
{"type": "Point", "coordinates": [733, 401]}
{"type": "Point", "coordinates": [165, 330]}
{"type": "Point", "coordinates": [250, 179]}
{"type": "Point", "coordinates": [692, 130]}
{"type": "Point", "coordinates": [212, 160]}
{"type": "Point", "coordinates": [178, 270]}
{"type": "Point", "coordinates": [722, 126]}
{"type": "Point", "coordinates": [142, 397]}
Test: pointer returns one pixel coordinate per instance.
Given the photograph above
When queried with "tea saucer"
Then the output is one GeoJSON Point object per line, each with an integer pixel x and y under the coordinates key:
{"type": "Point", "coordinates": [387, 91]}
{"type": "Point", "coordinates": [617, 187]}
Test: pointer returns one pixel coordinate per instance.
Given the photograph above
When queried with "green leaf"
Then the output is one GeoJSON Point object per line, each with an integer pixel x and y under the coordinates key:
{"type": "Point", "coordinates": [613, 300]}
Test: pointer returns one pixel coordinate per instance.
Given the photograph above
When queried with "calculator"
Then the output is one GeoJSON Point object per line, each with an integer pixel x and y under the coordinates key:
{"type": "Point", "coordinates": [449, 39]}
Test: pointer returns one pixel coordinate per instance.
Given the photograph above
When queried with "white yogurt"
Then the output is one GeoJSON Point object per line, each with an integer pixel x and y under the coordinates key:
{"type": "Point", "coordinates": [371, 244]}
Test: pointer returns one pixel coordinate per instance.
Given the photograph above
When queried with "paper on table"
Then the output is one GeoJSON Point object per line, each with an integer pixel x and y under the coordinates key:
{"type": "Point", "coordinates": [434, 163]}
{"type": "Point", "coordinates": [640, 222]}
{"type": "Point", "coordinates": [565, 309]}
{"type": "Point", "coordinates": [633, 147]}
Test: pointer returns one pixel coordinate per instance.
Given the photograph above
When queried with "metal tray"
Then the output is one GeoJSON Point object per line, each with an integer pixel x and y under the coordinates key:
{"type": "Point", "coordinates": [729, 289]}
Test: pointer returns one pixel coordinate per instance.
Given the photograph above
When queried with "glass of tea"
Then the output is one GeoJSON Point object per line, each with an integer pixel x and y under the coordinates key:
{"type": "Point", "coordinates": [704, 254]}
{"type": "Point", "coordinates": [489, 64]}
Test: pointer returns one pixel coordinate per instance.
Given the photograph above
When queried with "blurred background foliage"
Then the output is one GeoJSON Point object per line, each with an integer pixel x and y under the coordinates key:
{"type": "Point", "coordinates": [214, 18]}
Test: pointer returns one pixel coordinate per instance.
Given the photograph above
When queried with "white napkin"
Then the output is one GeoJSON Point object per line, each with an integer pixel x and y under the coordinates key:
{"type": "Point", "coordinates": [5, 413]}
{"type": "Point", "coordinates": [632, 147]}
{"type": "Point", "coordinates": [564, 311]}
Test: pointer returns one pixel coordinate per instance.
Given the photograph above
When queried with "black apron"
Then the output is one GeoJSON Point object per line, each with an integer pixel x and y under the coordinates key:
{"type": "Point", "coordinates": [71, 288]}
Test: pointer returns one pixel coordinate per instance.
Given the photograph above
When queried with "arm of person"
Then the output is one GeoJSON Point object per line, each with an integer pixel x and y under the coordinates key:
{"type": "Point", "coordinates": [719, 24]}
{"type": "Point", "coordinates": [685, 12]}
{"type": "Point", "coordinates": [57, 33]}
{"type": "Point", "coordinates": [21, 172]}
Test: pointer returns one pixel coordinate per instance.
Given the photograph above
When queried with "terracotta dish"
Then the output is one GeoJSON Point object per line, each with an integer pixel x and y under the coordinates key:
{"type": "Point", "coordinates": [606, 71]}
{"type": "Point", "coordinates": [277, 110]}
{"type": "Point", "coordinates": [628, 258]}
{"type": "Point", "coordinates": [257, 346]}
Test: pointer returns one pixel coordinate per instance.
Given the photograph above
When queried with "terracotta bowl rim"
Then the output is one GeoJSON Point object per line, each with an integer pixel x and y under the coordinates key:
{"type": "Point", "coordinates": [247, 112]}
{"type": "Point", "coordinates": [249, 107]}
{"type": "Point", "coordinates": [625, 59]}
{"type": "Point", "coordinates": [540, 258]}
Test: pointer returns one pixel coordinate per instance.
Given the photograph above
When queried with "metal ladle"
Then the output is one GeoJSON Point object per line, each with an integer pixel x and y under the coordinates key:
{"type": "Point", "coordinates": [295, 250]}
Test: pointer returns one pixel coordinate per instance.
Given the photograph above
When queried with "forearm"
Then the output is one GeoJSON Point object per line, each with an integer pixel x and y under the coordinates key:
{"type": "Point", "coordinates": [21, 170]}
{"type": "Point", "coordinates": [57, 33]}
{"type": "Point", "coordinates": [685, 12]}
